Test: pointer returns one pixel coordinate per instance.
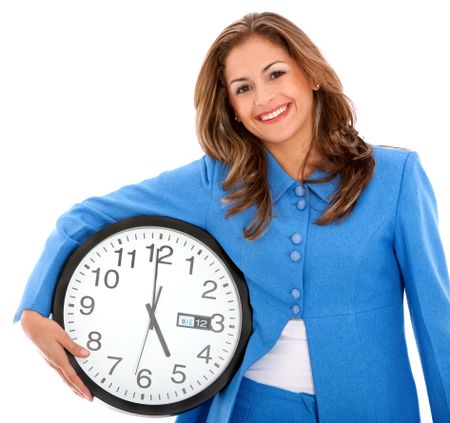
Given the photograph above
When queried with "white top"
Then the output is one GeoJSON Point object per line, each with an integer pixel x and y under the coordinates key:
{"type": "Point", "coordinates": [287, 364]}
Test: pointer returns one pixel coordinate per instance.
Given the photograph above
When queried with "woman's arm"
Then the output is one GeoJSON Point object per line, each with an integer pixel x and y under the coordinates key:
{"type": "Point", "coordinates": [183, 193]}
{"type": "Point", "coordinates": [421, 257]}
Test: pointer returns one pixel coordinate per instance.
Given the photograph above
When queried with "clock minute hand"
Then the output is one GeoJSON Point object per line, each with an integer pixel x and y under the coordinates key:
{"type": "Point", "coordinates": [157, 328]}
{"type": "Point", "coordinates": [155, 277]}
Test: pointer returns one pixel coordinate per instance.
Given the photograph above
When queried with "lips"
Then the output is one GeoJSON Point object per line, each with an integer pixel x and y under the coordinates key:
{"type": "Point", "coordinates": [280, 116]}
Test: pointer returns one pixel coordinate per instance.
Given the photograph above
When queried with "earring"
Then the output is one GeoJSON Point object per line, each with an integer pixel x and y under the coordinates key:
{"type": "Point", "coordinates": [317, 86]}
{"type": "Point", "coordinates": [236, 118]}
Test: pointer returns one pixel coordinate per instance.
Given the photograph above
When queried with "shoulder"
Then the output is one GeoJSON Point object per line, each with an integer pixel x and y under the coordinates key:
{"type": "Point", "coordinates": [390, 161]}
{"type": "Point", "coordinates": [399, 170]}
{"type": "Point", "coordinates": [200, 170]}
{"type": "Point", "coordinates": [387, 154]}
{"type": "Point", "coordinates": [392, 168]}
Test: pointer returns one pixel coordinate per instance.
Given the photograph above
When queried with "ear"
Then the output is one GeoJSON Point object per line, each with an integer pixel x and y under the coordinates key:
{"type": "Point", "coordinates": [313, 84]}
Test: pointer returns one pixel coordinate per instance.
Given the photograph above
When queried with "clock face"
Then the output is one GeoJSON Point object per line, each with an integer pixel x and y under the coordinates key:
{"type": "Point", "coordinates": [159, 310]}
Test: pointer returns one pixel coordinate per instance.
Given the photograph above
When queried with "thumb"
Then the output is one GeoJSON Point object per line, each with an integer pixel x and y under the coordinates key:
{"type": "Point", "coordinates": [74, 348]}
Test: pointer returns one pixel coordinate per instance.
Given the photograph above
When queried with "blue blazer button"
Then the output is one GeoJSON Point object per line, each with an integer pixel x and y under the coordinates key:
{"type": "Point", "coordinates": [295, 293]}
{"type": "Point", "coordinates": [299, 190]}
{"type": "Point", "coordinates": [295, 309]}
{"type": "Point", "coordinates": [295, 255]}
{"type": "Point", "coordinates": [301, 204]}
{"type": "Point", "coordinates": [296, 238]}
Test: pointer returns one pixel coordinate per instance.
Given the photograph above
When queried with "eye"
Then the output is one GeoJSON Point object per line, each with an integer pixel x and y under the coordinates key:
{"type": "Point", "coordinates": [239, 90]}
{"type": "Point", "coordinates": [279, 73]}
{"type": "Point", "coordinates": [244, 88]}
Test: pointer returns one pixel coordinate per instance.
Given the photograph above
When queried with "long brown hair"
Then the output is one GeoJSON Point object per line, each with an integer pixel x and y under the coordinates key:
{"type": "Point", "coordinates": [229, 142]}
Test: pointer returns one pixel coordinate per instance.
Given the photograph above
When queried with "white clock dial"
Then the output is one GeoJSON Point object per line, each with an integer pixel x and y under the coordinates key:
{"type": "Point", "coordinates": [159, 312]}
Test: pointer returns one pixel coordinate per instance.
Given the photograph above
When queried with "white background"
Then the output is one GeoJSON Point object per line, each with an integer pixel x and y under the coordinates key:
{"type": "Point", "coordinates": [98, 94]}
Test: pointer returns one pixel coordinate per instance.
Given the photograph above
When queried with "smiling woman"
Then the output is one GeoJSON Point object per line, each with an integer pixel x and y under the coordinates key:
{"type": "Point", "coordinates": [272, 90]}
{"type": "Point", "coordinates": [280, 92]}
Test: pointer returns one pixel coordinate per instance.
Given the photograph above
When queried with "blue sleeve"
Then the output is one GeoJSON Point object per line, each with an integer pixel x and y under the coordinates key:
{"type": "Point", "coordinates": [182, 193]}
{"type": "Point", "coordinates": [421, 257]}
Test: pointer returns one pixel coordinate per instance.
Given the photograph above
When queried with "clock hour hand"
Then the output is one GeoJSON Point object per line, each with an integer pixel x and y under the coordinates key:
{"type": "Point", "coordinates": [151, 313]}
{"type": "Point", "coordinates": [149, 326]}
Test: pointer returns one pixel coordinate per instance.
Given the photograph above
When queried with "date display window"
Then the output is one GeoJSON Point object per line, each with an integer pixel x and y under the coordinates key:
{"type": "Point", "coordinates": [193, 321]}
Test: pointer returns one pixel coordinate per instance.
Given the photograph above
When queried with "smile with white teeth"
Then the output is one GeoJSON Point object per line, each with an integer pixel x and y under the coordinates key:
{"type": "Point", "coordinates": [274, 114]}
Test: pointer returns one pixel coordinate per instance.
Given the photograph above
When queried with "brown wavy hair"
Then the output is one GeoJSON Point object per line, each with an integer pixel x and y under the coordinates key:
{"type": "Point", "coordinates": [228, 141]}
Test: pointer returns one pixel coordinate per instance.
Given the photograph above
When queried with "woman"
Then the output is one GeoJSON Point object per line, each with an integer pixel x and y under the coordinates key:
{"type": "Point", "coordinates": [328, 230]}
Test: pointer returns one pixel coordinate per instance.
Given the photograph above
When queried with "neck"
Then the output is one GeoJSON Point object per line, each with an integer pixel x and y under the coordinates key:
{"type": "Point", "coordinates": [291, 159]}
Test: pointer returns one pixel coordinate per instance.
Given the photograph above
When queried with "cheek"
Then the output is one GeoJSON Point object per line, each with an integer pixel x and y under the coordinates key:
{"type": "Point", "coordinates": [296, 88]}
{"type": "Point", "coordinates": [243, 107]}
{"type": "Point", "coordinates": [232, 101]}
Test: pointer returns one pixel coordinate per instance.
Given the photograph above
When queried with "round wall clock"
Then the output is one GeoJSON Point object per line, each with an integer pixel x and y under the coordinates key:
{"type": "Point", "coordinates": [162, 309]}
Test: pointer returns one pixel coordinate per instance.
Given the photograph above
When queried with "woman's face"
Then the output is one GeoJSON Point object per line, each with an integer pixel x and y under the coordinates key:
{"type": "Point", "coordinates": [270, 93]}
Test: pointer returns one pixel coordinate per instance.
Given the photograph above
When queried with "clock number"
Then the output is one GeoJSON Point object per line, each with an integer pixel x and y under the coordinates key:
{"type": "Point", "coordinates": [191, 265]}
{"type": "Point", "coordinates": [118, 360]}
{"type": "Point", "coordinates": [160, 258]}
{"type": "Point", "coordinates": [88, 303]}
{"type": "Point", "coordinates": [201, 323]}
{"type": "Point", "coordinates": [219, 322]}
{"type": "Point", "coordinates": [152, 250]}
{"type": "Point", "coordinates": [132, 254]}
{"type": "Point", "coordinates": [94, 343]}
{"type": "Point", "coordinates": [110, 281]}
{"type": "Point", "coordinates": [211, 290]}
{"type": "Point", "coordinates": [207, 355]}
{"type": "Point", "coordinates": [179, 372]}
{"type": "Point", "coordinates": [119, 251]}
{"type": "Point", "coordinates": [143, 380]}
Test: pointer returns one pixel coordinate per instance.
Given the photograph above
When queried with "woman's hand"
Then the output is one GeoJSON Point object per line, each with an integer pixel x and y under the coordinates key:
{"type": "Point", "coordinates": [52, 341]}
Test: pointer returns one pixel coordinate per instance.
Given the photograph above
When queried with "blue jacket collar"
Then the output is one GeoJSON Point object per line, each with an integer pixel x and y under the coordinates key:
{"type": "Point", "coordinates": [280, 181]}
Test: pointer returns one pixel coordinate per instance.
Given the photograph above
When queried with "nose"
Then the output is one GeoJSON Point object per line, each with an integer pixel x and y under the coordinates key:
{"type": "Point", "coordinates": [263, 96]}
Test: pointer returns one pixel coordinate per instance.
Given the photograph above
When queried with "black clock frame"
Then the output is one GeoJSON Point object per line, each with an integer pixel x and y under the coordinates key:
{"type": "Point", "coordinates": [167, 222]}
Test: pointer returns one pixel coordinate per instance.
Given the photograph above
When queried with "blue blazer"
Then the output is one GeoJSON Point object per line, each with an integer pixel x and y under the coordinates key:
{"type": "Point", "coordinates": [351, 277]}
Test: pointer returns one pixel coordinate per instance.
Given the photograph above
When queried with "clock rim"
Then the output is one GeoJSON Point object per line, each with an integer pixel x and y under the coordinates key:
{"type": "Point", "coordinates": [224, 378]}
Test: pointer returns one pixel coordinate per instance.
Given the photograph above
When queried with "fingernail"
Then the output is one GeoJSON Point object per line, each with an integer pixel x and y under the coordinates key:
{"type": "Point", "coordinates": [84, 352]}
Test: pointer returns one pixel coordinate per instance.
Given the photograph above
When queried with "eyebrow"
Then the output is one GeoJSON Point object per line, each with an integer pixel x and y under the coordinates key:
{"type": "Point", "coordinates": [262, 71]}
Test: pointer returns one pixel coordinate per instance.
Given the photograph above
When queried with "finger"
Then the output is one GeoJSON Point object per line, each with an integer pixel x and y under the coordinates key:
{"type": "Point", "coordinates": [57, 356]}
{"type": "Point", "coordinates": [60, 361]}
{"type": "Point", "coordinates": [74, 379]}
{"type": "Point", "coordinates": [65, 380]}
{"type": "Point", "coordinates": [74, 348]}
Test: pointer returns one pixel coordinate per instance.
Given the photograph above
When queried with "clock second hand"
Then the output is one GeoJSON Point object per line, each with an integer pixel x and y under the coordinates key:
{"type": "Point", "coordinates": [147, 331]}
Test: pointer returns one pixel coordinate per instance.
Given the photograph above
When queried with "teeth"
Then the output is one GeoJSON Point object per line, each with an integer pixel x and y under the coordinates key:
{"type": "Point", "coordinates": [274, 114]}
